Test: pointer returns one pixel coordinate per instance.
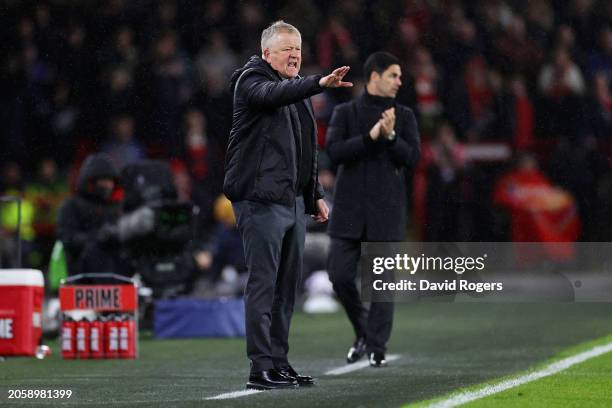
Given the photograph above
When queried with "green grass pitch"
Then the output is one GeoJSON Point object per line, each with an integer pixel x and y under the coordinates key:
{"type": "Point", "coordinates": [443, 347]}
{"type": "Point", "coordinates": [584, 385]}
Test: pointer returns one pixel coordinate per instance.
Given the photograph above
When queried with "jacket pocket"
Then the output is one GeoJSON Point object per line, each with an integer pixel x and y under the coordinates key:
{"type": "Point", "coordinates": [272, 158]}
{"type": "Point", "coordinates": [262, 153]}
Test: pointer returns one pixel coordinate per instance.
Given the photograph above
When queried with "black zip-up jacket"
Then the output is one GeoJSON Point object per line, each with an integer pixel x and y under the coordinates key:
{"type": "Point", "coordinates": [261, 163]}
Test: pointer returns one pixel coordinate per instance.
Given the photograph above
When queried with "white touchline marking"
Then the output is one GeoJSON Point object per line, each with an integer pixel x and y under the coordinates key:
{"type": "Point", "coordinates": [336, 371]}
{"type": "Point", "coordinates": [357, 366]}
{"type": "Point", "coordinates": [551, 369]}
{"type": "Point", "coordinates": [235, 394]}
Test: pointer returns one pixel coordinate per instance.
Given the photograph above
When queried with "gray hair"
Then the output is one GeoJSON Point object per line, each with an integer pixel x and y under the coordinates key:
{"type": "Point", "coordinates": [275, 28]}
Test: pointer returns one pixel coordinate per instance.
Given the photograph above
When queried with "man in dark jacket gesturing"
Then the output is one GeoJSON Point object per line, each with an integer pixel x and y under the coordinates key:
{"type": "Point", "coordinates": [375, 143]}
{"type": "Point", "coordinates": [271, 179]}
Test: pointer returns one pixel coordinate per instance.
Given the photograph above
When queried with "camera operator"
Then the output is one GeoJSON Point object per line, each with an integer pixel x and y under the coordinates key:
{"type": "Point", "coordinates": [86, 222]}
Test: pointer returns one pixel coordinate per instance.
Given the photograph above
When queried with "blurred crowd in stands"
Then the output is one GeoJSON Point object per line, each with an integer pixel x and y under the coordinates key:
{"type": "Point", "coordinates": [513, 99]}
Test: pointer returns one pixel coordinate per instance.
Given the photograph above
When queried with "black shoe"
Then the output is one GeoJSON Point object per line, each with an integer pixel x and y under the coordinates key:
{"type": "Point", "coordinates": [356, 351]}
{"type": "Point", "coordinates": [301, 379]}
{"type": "Point", "coordinates": [269, 380]}
{"type": "Point", "coordinates": [378, 360]}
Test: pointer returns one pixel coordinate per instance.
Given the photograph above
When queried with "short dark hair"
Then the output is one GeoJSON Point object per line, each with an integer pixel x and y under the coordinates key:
{"type": "Point", "coordinates": [378, 62]}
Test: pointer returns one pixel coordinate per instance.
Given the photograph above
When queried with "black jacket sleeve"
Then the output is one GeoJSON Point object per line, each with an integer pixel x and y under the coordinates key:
{"type": "Point", "coordinates": [319, 192]}
{"type": "Point", "coordinates": [262, 92]}
{"type": "Point", "coordinates": [406, 149]}
{"type": "Point", "coordinates": [341, 147]}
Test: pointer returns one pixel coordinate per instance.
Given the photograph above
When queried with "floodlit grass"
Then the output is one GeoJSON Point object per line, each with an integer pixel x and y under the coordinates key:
{"type": "Point", "coordinates": [444, 347]}
{"type": "Point", "coordinates": [586, 384]}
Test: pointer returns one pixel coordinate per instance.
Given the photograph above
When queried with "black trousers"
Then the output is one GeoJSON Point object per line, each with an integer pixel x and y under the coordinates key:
{"type": "Point", "coordinates": [375, 325]}
{"type": "Point", "coordinates": [273, 239]}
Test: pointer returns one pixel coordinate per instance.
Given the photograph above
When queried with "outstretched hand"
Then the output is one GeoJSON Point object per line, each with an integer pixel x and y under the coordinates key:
{"type": "Point", "coordinates": [334, 80]}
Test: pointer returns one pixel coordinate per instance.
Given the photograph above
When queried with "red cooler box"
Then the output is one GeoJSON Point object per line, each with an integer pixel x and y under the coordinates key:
{"type": "Point", "coordinates": [21, 299]}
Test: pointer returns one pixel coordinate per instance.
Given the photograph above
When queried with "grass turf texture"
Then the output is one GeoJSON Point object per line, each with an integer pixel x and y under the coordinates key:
{"type": "Point", "coordinates": [444, 347]}
{"type": "Point", "coordinates": [583, 385]}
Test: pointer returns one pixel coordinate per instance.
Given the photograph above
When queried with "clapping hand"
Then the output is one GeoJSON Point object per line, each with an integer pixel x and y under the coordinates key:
{"type": "Point", "coordinates": [385, 124]}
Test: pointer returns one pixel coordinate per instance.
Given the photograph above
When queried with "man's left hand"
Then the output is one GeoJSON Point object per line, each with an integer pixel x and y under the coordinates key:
{"type": "Point", "coordinates": [387, 121]}
{"type": "Point", "coordinates": [323, 214]}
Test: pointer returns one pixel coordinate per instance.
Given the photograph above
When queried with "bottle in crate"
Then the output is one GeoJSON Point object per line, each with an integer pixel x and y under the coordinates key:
{"type": "Point", "coordinates": [83, 340]}
{"type": "Point", "coordinates": [97, 339]}
{"type": "Point", "coordinates": [111, 334]}
{"type": "Point", "coordinates": [68, 339]}
{"type": "Point", "coordinates": [127, 337]}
